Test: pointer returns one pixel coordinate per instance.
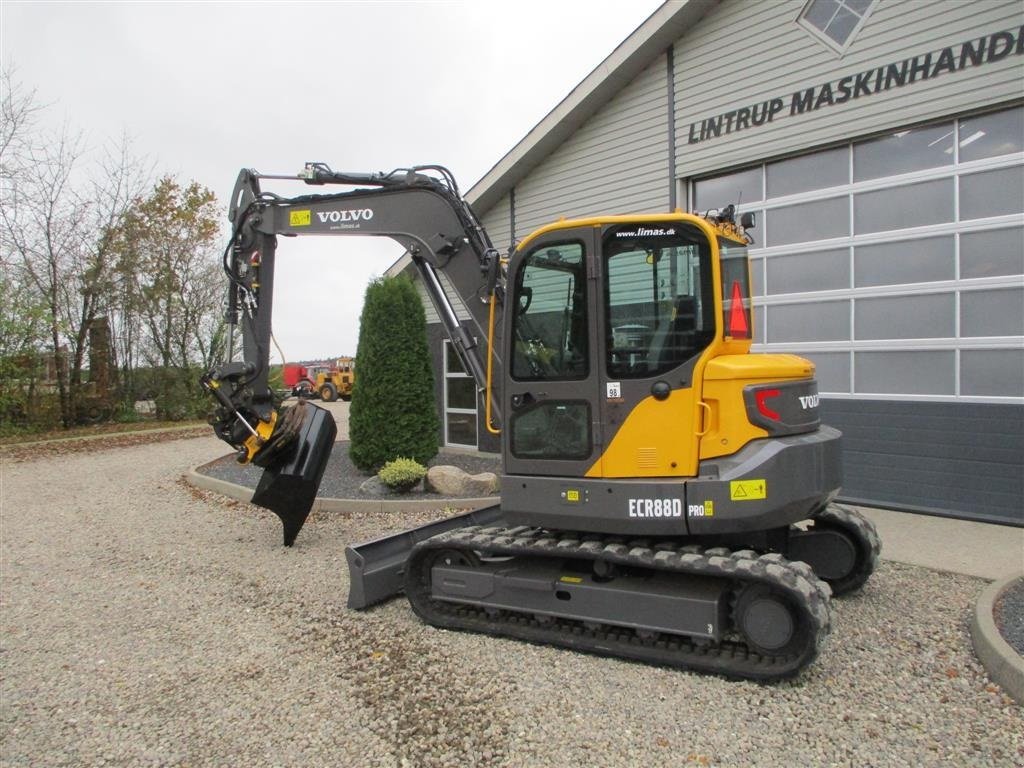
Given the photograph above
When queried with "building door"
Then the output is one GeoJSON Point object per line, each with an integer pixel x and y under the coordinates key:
{"type": "Point", "coordinates": [895, 264]}
{"type": "Point", "coordinates": [460, 402]}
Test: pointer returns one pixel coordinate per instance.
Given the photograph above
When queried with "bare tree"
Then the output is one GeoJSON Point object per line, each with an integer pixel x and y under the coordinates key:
{"type": "Point", "coordinates": [168, 256]}
{"type": "Point", "coordinates": [56, 225]}
{"type": "Point", "coordinates": [44, 222]}
{"type": "Point", "coordinates": [19, 110]}
{"type": "Point", "coordinates": [119, 178]}
{"type": "Point", "coordinates": [21, 311]}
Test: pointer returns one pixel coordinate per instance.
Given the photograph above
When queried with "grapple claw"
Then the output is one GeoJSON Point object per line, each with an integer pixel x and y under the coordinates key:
{"type": "Point", "coordinates": [294, 459]}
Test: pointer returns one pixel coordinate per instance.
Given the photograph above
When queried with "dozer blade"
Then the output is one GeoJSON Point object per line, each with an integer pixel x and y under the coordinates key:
{"type": "Point", "coordinates": [294, 461]}
{"type": "Point", "coordinates": [376, 569]}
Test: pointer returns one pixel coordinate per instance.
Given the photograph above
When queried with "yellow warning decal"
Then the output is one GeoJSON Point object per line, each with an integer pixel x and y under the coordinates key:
{"type": "Point", "coordinates": [748, 490]}
{"type": "Point", "coordinates": [299, 218]}
{"type": "Point", "coordinates": [571, 579]}
{"type": "Point", "coordinates": [572, 495]}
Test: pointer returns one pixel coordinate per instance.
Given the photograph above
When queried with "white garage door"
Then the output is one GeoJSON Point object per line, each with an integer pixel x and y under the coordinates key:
{"type": "Point", "coordinates": [895, 263]}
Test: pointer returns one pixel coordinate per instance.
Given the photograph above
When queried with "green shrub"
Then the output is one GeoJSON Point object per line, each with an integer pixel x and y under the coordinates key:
{"type": "Point", "coordinates": [125, 413]}
{"type": "Point", "coordinates": [275, 377]}
{"type": "Point", "coordinates": [393, 412]}
{"type": "Point", "coordinates": [402, 474]}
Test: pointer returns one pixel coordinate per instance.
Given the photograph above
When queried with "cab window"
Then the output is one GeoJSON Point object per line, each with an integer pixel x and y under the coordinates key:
{"type": "Point", "coordinates": [550, 308]}
{"type": "Point", "coordinates": [659, 302]}
{"type": "Point", "coordinates": [736, 321]}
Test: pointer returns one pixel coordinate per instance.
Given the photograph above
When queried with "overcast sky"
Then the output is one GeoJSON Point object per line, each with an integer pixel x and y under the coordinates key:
{"type": "Point", "coordinates": [205, 89]}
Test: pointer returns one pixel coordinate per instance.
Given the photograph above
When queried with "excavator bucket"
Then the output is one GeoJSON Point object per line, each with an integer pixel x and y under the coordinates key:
{"type": "Point", "coordinates": [294, 464]}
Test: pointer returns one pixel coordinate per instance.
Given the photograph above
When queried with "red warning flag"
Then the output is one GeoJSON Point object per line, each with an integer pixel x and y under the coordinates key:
{"type": "Point", "coordinates": [739, 328]}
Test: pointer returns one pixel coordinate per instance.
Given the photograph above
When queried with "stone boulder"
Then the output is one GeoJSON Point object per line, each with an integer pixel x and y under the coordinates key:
{"type": "Point", "coordinates": [447, 480]}
{"type": "Point", "coordinates": [373, 487]}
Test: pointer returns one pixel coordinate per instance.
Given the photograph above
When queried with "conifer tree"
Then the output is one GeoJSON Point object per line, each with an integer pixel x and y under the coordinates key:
{"type": "Point", "coordinates": [393, 412]}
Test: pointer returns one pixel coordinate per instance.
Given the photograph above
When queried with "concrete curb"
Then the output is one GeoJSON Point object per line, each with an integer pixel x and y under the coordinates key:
{"type": "Point", "coordinates": [223, 487]}
{"type": "Point", "coordinates": [1003, 664]}
{"type": "Point", "coordinates": [241, 493]}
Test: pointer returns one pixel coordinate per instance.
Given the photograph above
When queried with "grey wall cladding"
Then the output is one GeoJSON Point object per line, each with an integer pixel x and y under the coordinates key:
{"type": "Point", "coordinates": [616, 162]}
{"type": "Point", "coordinates": [961, 460]}
{"type": "Point", "coordinates": [718, 70]}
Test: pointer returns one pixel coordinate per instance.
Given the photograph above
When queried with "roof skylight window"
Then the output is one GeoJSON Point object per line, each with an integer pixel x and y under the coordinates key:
{"type": "Point", "coordinates": [835, 22]}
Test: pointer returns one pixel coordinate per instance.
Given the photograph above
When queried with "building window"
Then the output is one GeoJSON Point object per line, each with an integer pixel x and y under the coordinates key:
{"type": "Point", "coordinates": [739, 188]}
{"type": "Point", "coordinates": [835, 22]}
{"type": "Point", "coordinates": [460, 402]}
{"type": "Point", "coordinates": [895, 263]}
{"type": "Point", "coordinates": [904, 151]}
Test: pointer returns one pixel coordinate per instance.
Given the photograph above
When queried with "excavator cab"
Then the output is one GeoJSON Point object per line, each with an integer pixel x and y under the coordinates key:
{"type": "Point", "coordinates": [631, 380]}
{"type": "Point", "coordinates": [620, 316]}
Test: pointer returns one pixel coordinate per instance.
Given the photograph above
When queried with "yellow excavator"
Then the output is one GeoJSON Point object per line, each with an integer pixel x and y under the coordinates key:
{"type": "Point", "coordinates": [666, 495]}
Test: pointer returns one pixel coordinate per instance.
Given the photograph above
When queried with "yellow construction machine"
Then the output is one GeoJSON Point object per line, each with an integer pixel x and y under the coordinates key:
{"type": "Point", "coordinates": [667, 495]}
{"type": "Point", "coordinates": [337, 381]}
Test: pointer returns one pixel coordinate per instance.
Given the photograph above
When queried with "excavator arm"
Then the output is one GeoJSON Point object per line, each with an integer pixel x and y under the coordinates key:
{"type": "Point", "coordinates": [421, 209]}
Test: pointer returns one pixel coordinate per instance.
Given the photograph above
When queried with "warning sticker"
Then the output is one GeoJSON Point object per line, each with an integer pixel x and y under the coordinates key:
{"type": "Point", "coordinates": [299, 218]}
{"type": "Point", "coordinates": [748, 490]}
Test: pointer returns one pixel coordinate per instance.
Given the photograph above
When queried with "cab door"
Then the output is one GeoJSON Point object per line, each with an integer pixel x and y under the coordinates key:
{"type": "Point", "coordinates": [550, 399]}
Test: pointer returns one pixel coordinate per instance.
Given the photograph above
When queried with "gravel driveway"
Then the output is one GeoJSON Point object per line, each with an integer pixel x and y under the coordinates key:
{"type": "Point", "coordinates": [146, 623]}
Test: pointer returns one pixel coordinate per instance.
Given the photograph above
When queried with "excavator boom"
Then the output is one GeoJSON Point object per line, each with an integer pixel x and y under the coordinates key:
{"type": "Point", "coordinates": [421, 209]}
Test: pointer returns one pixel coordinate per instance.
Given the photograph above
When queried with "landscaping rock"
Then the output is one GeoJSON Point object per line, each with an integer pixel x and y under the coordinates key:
{"type": "Point", "coordinates": [374, 487]}
{"type": "Point", "coordinates": [447, 480]}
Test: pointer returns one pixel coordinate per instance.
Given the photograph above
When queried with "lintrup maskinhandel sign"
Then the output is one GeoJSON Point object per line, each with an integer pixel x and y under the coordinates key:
{"type": "Point", "coordinates": [972, 53]}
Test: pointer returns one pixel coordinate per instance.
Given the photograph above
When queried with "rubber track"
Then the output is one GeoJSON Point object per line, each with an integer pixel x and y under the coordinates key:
{"type": "Point", "coordinates": [867, 538]}
{"type": "Point", "coordinates": [731, 657]}
{"type": "Point", "coordinates": [854, 520]}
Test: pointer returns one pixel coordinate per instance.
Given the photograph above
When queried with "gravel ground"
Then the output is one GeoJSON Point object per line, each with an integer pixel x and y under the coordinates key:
{"type": "Point", "coordinates": [341, 477]}
{"type": "Point", "coordinates": [146, 623]}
